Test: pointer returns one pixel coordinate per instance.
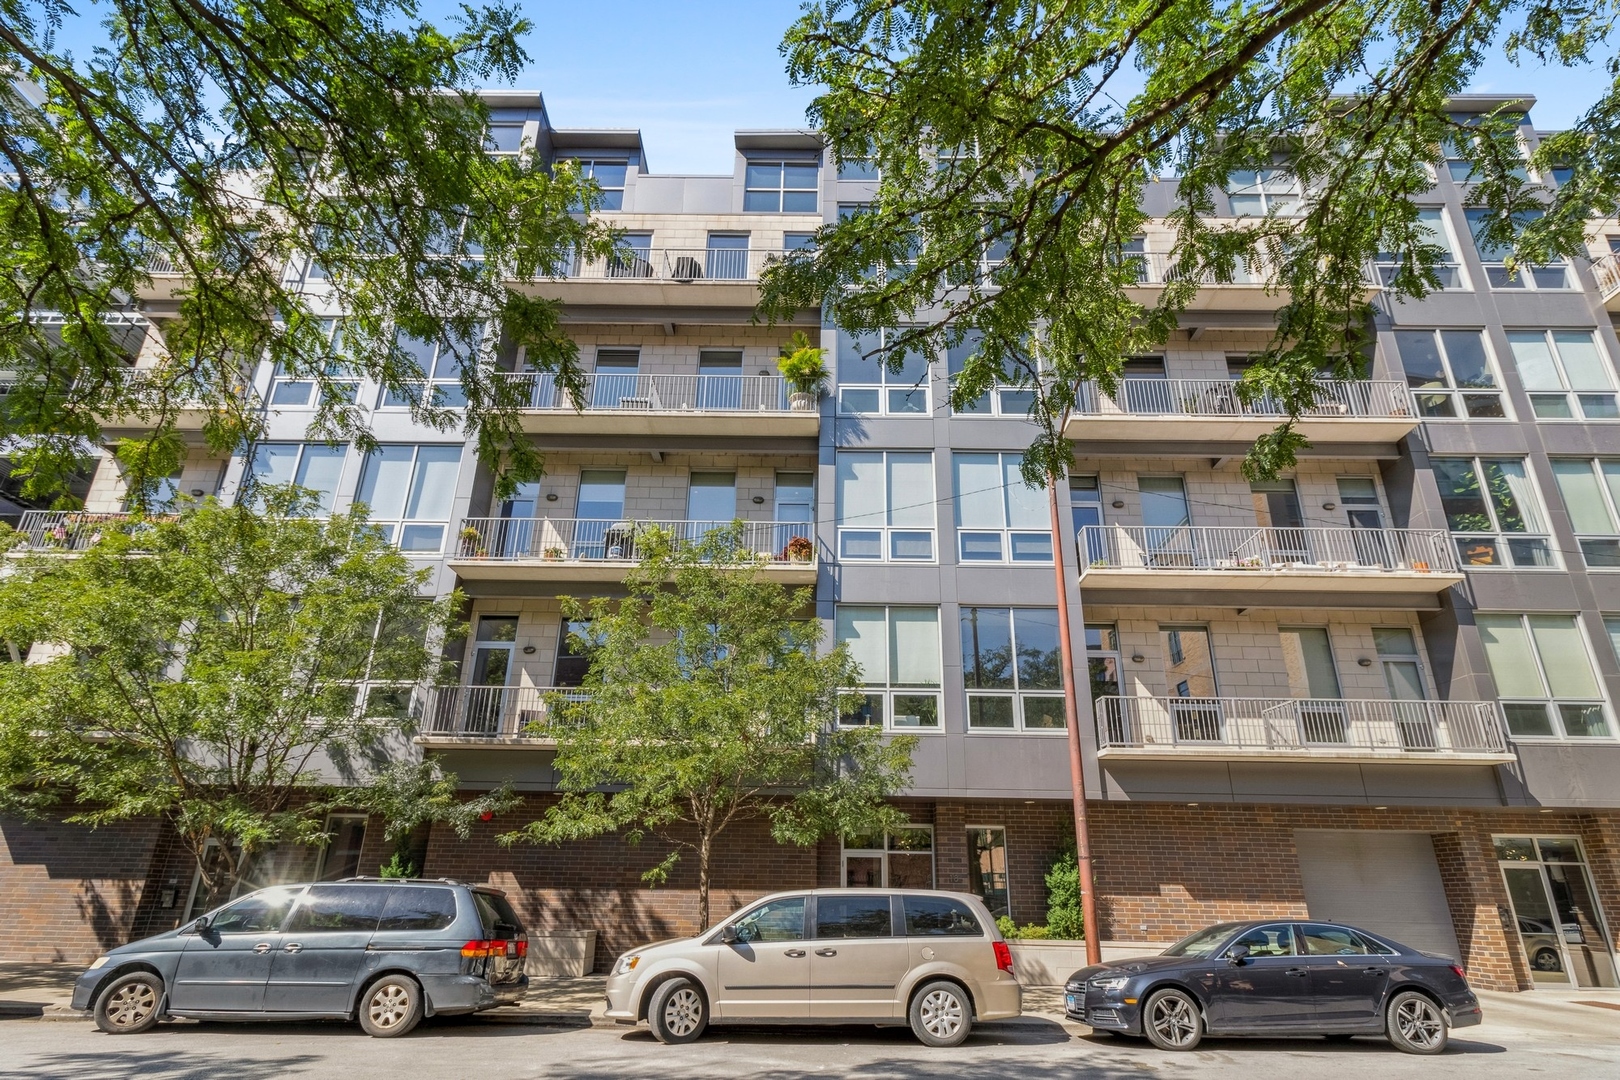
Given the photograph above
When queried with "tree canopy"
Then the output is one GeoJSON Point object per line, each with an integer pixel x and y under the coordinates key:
{"type": "Point", "coordinates": [1014, 144]}
{"type": "Point", "coordinates": [286, 160]}
{"type": "Point", "coordinates": [707, 703]}
{"type": "Point", "coordinates": [211, 668]}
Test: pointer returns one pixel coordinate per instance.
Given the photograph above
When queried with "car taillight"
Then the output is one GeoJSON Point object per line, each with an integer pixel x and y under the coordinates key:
{"type": "Point", "coordinates": [1003, 957]}
{"type": "Point", "coordinates": [1461, 974]}
{"type": "Point", "coordinates": [522, 948]}
{"type": "Point", "coordinates": [476, 949]}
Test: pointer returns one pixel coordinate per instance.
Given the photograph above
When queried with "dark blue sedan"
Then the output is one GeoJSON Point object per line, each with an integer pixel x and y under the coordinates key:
{"type": "Point", "coordinates": [1277, 977]}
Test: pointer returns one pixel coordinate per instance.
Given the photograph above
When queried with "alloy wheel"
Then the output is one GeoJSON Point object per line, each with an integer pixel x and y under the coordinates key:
{"type": "Point", "coordinates": [942, 1013]}
{"type": "Point", "coordinates": [1419, 1022]}
{"type": "Point", "coordinates": [683, 1012]}
{"type": "Point", "coordinates": [389, 1005]}
{"type": "Point", "coordinates": [131, 1003]}
{"type": "Point", "coordinates": [1172, 1018]}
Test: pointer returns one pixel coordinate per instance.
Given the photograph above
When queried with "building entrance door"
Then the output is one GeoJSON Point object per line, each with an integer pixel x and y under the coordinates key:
{"type": "Point", "coordinates": [1555, 910]}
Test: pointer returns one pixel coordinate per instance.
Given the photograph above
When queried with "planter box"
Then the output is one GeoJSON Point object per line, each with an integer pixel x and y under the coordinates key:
{"type": "Point", "coordinates": [1050, 963]}
{"type": "Point", "coordinates": [567, 953]}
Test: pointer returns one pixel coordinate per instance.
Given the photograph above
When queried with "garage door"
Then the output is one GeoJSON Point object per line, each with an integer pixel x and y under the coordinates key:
{"type": "Point", "coordinates": [1387, 882]}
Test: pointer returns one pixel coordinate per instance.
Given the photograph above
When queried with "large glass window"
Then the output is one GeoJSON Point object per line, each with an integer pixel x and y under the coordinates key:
{"type": "Point", "coordinates": [781, 187]}
{"type": "Point", "coordinates": [999, 400]}
{"type": "Point", "coordinates": [441, 363]}
{"type": "Point", "coordinates": [903, 859]}
{"type": "Point", "coordinates": [1496, 259]}
{"type": "Point", "coordinates": [987, 879]}
{"type": "Point", "coordinates": [866, 383]}
{"type": "Point", "coordinates": [998, 517]}
{"type": "Point", "coordinates": [1449, 270]}
{"type": "Point", "coordinates": [609, 176]}
{"type": "Point", "coordinates": [1591, 491]}
{"type": "Point", "coordinates": [297, 391]}
{"type": "Point", "coordinates": [1258, 192]}
{"type": "Point", "coordinates": [885, 506]}
{"type": "Point", "coordinates": [1012, 669]}
{"type": "Point", "coordinates": [313, 466]}
{"type": "Point", "coordinates": [1544, 676]}
{"type": "Point", "coordinates": [1450, 373]}
{"type": "Point", "coordinates": [1565, 373]}
{"type": "Point", "coordinates": [410, 490]}
{"type": "Point", "coordinates": [1492, 510]}
{"type": "Point", "coordinates": [898, 651]}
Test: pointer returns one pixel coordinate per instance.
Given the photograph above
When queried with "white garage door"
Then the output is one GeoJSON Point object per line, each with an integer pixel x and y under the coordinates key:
{"type": "Point", "coordinates": [1387, 882]}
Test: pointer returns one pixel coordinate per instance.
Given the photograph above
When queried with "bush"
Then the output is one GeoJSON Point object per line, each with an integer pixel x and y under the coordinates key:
{"type": "Point", "coordinates": [1063, 917]}
{"type": "Point", "coordinates": [399, 866]}
{"type": "Point", "coordinates": [1028, 932]}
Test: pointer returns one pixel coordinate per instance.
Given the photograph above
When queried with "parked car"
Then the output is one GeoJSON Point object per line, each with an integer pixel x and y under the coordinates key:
{"type": "Point", "coordinates": [1541, 944]}
{"type": "Point", "coordinates": [384, 952]}
{"type": "Point", "coordinates": [933, 960]}
{"type": "Point", "coordinates": [1277, 977]}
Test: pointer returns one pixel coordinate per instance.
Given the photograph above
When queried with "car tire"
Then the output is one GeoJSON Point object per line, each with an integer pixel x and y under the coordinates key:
{"type": "Point", "coordinates": [941, 1014]}
{"type": "Point", "coordinates": [678, 1012]}
{"type": "Point", "coordinates": [131, 1004]}
{"type": "Point", "coordinates": [1415, 1024]}
{"type": "Point", "coordinates": [1172, 1020]}
{"type": "Point", "coordinates": [391, 1007]}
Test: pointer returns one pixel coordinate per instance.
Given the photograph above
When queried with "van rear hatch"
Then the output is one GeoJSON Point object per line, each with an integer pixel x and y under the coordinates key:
{"type": "Point", "coordinates": [506, 942]}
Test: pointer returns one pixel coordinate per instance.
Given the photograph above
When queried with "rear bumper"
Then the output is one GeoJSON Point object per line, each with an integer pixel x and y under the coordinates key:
{"type": "Point", "coordinates": [1465, 1013]}
{"type": "Point", "coordinates": [448, 994]}
{"type": "Point", "coordinates": [1000, 1000]}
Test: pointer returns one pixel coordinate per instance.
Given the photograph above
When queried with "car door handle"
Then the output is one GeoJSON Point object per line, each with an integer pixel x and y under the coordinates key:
{"type": "Point", "coordinates": [1301, 972]}
{"type": "Point", "coordinates": [826, 952]}
{"type": "Point", "coordinates": [291, 946]}
{"type": "Point", "coordinates": [262, 947]}
{"type": "Point", "coordinates": [795, 953]}
{"type": "Point", "coordinates": [1372, 971]}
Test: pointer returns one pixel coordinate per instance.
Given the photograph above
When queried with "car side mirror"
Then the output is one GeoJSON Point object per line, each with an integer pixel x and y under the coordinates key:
{"type": "Point", "coordinates": [730, 935]}
{"type": "Point", "coordinates": [1237, 954]}
{"type": "Point", "coordinates": [200, 926]}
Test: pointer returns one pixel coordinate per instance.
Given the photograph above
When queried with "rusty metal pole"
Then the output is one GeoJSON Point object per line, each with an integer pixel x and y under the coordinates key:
{"type": "Point", "coordinates": [1071, 715]}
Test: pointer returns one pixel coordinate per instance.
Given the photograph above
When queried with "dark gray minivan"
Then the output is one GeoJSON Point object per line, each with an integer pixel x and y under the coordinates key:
{"type": "Point", "coordinates": [384, 951]}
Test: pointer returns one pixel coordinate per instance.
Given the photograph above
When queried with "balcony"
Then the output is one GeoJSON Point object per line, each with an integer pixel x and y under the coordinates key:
{"type": "Point", "coordinates": [1247, 291]}
{"type": "Point", "coordinates": [1607, 272]}
{"type": "Point", "coordinates": [640, 276]}
{"type": "Point", "coordinates": [1311, 729]}
{"type": "Point", "coordinates": [1206, 415]}
{"type": "Point", "coordinates": [1227, 564]}
{"type": "Point", "coordinates": [582, 549]}
{"type": "Point", "coordinates": [488, 716]}
{"type": "Point", "coordinates": [66, 532]}
{"type": "Point", "coordinates": [665, 405]}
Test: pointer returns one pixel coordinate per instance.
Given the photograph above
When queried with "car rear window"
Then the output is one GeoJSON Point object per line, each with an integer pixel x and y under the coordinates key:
{"type": "Point", "coordinates": [940, 916]}
{"type": "Point", "coordinates": [334, 908]}
{"type": "Point", "coordinates": [417, 907]}
{"type": "Point", "coordinates": [853, 916]}
{"type": "Point", "coordinates": [500, 921]}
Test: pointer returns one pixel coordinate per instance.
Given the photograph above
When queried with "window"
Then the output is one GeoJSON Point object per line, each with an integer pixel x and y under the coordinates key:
{"type": "Point", "coordinates": [727, 257]}
{"type": "Point", "coordinates": [1591, 491]}
{"type": "Point", "coordinates": [601, 496]}
{"type": "Point", "coordinates": [340, 858]}
{"type": "Point", "coordinates": [898, 651]}
{"type": "Point", "coordinates": [1258, 192]}
{"type": "Point", "coordinates": [998, 517]}
{"type": "Point", "coordinates": [1322, 940]}
{"type": "Point", "coordinates": [617, 382]}
{"type": "Point", "coordinates": [858, 169]}
{"type": "Point", "coordinates": [159, 495]}
{"type": "Point", "coordinates": [780, 187]}
{"type": "Point", "coordinates": [1544, 676]}
{"type": "Point", "coordinates": [414, 907]}
{"type": "Point", "coordinates": [1492, 510]}
{"type": "Point", "coordinates": [1610, 624]}
{"type": "Point", "coordinates": [1358, 496]}
{"type": "Point", "coordinates": [711, 497]}
{"type": "Point", "coordinates": [795, 507]}
{"type": "Point", "coordinates": [1403, 667]}
{"type": "Point", "coordinates": [867, 384]}
{"type": "Point", "coordinates": [1565, 373]}
{"type": "Point", "coordinates": [632, 258]}
{"type": "Point", "coordinates": [773, 921]}
{"type": "Point", "coordinates": [859, 916]}
{"type": "Point", "coordinates": [1012, 669]}
{"type": "Point", "coordinates": [885, 506]}
{"type": "Point", "coordinates": [289, 390]}
{"type": "Point", "coordinates": [261, 913]}
{"type": "Point", "coordinates": [573, 662]}
{"type": "Point", "coordinates": [1274, 940]}
{"type": "Point", "coordinates": [1495, 258]}
{"type": "Point", "coordinates": [409, 490]}
{"type": "Point", "coordinates": [503, 140]}
{"type": "Point", "coordinates": [798, 241]}
{"type": "Point", "coordinates": [441, 364]}
{"type": "Point", "coordinates": [335, 909]}
{"type": "Point", "coordinates": [1449, 269]}
{"type": "Point", "coordinates": [313, 466]}
{"type": "Point", "coordinates": [999, 400]}
{"type": "Point", "coordinates": [1450, 373]}
{"type": "Point", "coordinates": [903, 859]}
{"type": "Point", "coordinates": [609, 176]}
{"type": "Point", "coordinates": [987, 879]}
{"type": "Point", "coordinates": [1102, 659]}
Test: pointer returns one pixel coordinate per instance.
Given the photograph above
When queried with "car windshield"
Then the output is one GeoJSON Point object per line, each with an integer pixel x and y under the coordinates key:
{"type": "Point", "coordinates": [1202, 944]}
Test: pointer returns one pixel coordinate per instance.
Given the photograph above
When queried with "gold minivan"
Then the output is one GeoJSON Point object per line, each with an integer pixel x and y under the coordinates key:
{"type": "Point", "coordinates": [933, 960]}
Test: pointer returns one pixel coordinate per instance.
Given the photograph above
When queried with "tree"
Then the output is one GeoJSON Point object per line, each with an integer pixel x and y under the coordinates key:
{"type": "Point", "coordinates": [707, 704]}
{"type": "Point", "coordinates": [228, 143]}
{"type": "Point", "coordinates": [211, 668]}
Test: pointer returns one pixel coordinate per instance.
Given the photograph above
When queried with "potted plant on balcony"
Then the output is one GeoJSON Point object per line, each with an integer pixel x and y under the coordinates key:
{"type": "Point", "coordinates": [471, 541]}
{"type": "Point", "coordinates": [799, 550]}
{"type": "Point", "coordinates": [553, 554]}
{"type": "Point", "coordinates": [805, 369]}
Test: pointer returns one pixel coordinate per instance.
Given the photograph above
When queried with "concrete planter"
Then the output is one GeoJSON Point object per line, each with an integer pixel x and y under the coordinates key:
{"type": "Point", "coordinates": [798, 401]}
{"type": "Point", "coordinates": [567, 953]}
{"type": "Point", "coordinates": [1050, 963]}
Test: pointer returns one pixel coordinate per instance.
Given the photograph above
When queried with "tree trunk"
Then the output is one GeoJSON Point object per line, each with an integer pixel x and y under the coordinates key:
{"type": "Point", "coordinates": [704, 846]}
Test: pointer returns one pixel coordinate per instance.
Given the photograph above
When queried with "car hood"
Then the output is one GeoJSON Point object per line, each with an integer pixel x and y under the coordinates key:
{"type": "Point", "coordinates": [658, 946]}
{"type": "Point", "coordinates": [168, 941]}
{"type": "Point", "coordinates": [1134, 965]}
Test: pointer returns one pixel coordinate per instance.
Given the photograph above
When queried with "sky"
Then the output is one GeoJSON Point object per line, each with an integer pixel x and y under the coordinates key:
{"type": "Point", "coordinates": [688, 73]}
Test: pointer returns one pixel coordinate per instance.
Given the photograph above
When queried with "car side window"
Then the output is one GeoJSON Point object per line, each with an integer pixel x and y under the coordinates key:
{"type": "Point", "coordinates": [1320, 939]}
{"type": "Point", "coordinates": [260, 913]}
{"type": "Point", "coordinates": [774, 920]}
{"type": "Point", "coordinates": [857, 916]}
{"type": "Point", "coordinates": [1274, 940]}
{"type": "Point", "coordinates": [414, 907]}
{"type": "Point", "coordinates": [939, 916]}
{"type": "Point", "coordinates": [339, 908]}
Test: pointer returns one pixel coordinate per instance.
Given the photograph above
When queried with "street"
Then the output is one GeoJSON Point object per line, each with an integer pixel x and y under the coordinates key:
{"type": "Point", "coordinates": [1523, 1035]}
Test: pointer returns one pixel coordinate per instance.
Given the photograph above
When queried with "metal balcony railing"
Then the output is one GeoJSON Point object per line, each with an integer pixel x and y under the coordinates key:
{"type": "Point", "coordinates": [654, 393]}
{"type": "Point", "coordinates": [683, 265]}
{"type": "Point", "coordinates": [1327, 726]}
{"type": "Point", "coordinates": [1607, 271]}
{"type": "Point", "coordinates": [1211, 549]}
{"type": "Point", "coordinates": [74, 530]}
{"type": "Point", "coordinates": [487, 712]}
{"type": "Point", "coordinates": [1159, 267]}
{"type": "Point", "coordinates": [1218, 397]}
{"type": "Point", "coordinates": [603, 540]}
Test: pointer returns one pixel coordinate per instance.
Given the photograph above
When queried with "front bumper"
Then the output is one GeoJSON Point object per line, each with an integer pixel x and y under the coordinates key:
{"type": "Point", "coordinates": [621, 998]}
{"type": "Point", "coordinates": [84, 988]}
{"type": "Point", "coordinates": [1109, 1011]}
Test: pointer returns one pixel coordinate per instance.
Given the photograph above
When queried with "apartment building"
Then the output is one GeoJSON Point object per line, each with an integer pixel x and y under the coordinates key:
{"type": "Point", "coordinates": [1379, 689]}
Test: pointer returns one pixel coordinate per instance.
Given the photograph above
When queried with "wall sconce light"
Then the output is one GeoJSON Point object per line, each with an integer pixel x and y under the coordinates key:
{"type": "Point", "coordinates": [528, 650]}
{"type": "Point", "coordinates": [1364, 662]}
{"type": "Point", "coordinates": [759, 500]}
{"type": "Point", "coordinates": [1118, 504]}
{"type": "Point", "coordinates": [1330, 506]}
{"type": "Point", "coordinates": [196, 493]}
{"type": "Point", "coordinates": [1137, 658]}
{"type": "Point", "coordinates": [551, 496]}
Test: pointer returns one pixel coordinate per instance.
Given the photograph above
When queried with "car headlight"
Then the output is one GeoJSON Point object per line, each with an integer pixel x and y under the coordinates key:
{"type": "Point", "coordinates": [1114, 982]}
{"type": "Point", "coordinates": [626, 964]}
{"type": "Point", "coordinates": [100, 961]}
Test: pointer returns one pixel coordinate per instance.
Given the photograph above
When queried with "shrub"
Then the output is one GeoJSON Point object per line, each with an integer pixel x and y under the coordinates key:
{"type": "Point", "coordinates": [1063, 917]}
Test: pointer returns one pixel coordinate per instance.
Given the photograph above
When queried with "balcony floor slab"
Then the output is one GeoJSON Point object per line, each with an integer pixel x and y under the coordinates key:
{"type": "Point", "coordinates": [1144, 432]}
{"type": "Point", "coordinates": [602, 571]}
{"type": "Point", "coordinates": [673, 423]}
{"type": "Point", "coordinates": [1354, 755]}
{"type": "Point", "coordinates": [1242, 583]}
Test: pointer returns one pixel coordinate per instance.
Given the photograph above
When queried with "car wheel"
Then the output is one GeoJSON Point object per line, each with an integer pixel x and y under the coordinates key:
{"type": "Point", "coordinates": [130, 1003]}
{"type": "Point", "coordinates": [1416, 1024]}
{"type": "Point", "coordinates": [1172, 1021]}
{"type": "Point", "coordinates": [391, 1007]}
{"type": "Point", "coordinates": [677, 1013]}
{"type": "Point", "coordinates": [1547, 960]}
{"type": "Point", "coordinates": [941, 1014]}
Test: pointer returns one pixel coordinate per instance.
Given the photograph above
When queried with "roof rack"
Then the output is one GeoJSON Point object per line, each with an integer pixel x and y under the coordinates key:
{"type": "Point", "coordinates": [405, 881]}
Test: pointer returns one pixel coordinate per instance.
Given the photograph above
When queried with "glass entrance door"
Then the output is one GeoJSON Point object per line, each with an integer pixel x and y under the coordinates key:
{"type": "Point", "coordinates": [492, 663]}
{"type": "Point", "coordinates": [1556, 912]}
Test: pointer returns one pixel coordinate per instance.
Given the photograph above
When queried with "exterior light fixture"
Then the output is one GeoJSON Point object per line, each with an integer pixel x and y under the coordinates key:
{"type": "Point", "coordinates": [759, 500]}
{"type": "Point", "coordinates": [551, 496]}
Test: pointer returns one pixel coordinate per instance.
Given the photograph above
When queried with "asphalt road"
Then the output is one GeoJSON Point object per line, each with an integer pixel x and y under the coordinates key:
{"type": "Point", "coordinates": [1564, 1041]}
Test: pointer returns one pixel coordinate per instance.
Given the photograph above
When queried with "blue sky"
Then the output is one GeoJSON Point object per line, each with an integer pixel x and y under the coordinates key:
{"type": "Point", "coordinates": [690, 72]}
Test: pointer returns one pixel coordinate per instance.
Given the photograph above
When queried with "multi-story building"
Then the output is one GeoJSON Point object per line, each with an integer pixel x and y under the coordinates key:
{"type": "Point", "coordinates": [1380, 689]}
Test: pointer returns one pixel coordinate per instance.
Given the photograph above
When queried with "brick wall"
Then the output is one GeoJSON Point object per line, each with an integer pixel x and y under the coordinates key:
{"type": "Point", "coordinates": [70, 892]}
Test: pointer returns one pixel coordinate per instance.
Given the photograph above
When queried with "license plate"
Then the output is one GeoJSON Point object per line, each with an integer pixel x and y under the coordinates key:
{"type": "Point", "coordinates": [511, 949]}
{"type": "Point", "coordinates": [1073, 1001]}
